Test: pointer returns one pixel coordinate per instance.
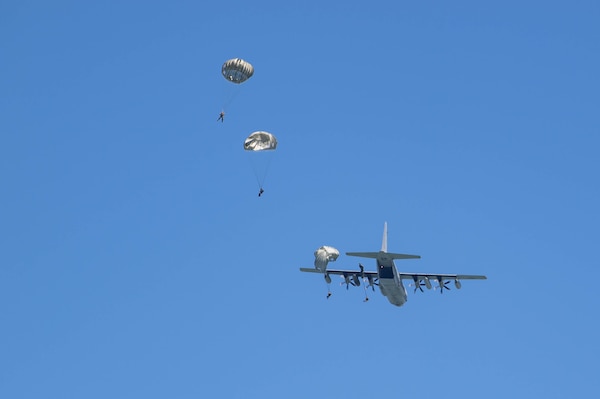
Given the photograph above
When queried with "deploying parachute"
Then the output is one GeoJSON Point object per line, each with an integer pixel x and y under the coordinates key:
{"type": "Point", "coordinates": [324, 255]}
{"type": "Point", "coordinates": [260, 141]}
{"type": "Point", "coordinates": [260, 145]}
{"type": "Point", "coordinates": [237, 70]}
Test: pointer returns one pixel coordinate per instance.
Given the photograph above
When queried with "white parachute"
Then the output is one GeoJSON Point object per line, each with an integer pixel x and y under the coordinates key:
{"type": "Point", "coordinates": [236, 70]}
{"type": "Point", "coordinates": [324, 255]}
{"type": "Point", "coordinates": [260, 141]}
{"type": "Point", "coordinates": [260, 145]}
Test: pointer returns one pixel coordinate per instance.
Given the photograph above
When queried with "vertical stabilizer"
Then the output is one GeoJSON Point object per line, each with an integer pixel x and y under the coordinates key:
{"type": "Point", "coordinates": [384, 241]}
{"type": "Point", "coordinates": [378, 255]}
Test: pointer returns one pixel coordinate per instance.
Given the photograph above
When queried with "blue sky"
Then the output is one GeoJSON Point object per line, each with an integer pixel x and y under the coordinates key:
{"type": "Point", "coordinates": [136, 259]}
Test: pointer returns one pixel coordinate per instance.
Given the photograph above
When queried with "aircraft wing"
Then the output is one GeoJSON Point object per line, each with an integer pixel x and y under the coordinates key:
{"type": "Point", "coordinates": [359, 273]}
{"type": "Point", "coordinates": [412, 276]}
{"type": "Point", "coordinates": [404, 276]}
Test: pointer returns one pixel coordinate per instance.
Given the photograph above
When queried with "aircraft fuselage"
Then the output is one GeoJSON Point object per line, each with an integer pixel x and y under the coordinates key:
{"type": "Point", "coordinates": [390, 283]}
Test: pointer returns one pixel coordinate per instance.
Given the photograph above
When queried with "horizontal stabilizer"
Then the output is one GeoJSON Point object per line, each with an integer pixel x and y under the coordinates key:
{"type": "Point", "coordinates": [374, 255]}
{"type": "Point", "coordinates": [310, 270]}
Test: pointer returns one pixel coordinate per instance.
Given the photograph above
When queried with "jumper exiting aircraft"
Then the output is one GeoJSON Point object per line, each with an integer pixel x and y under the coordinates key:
{"type": "Point", "coordinates": [387, 277]}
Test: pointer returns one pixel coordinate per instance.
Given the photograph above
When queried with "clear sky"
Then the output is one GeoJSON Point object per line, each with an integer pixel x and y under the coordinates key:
{"type": "Point", "coordinates": [136, 259]}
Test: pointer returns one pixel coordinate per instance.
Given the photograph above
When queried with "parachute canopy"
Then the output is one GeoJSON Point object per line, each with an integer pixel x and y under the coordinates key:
{"type": "Point", "coordinates": [260, 141]}
{"type": "Point", "coordinates": [324, 255]}
{"type": "Point", "coordinates": [237, 70]}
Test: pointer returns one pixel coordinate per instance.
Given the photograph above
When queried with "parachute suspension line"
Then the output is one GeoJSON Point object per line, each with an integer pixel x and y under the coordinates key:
{"type": "Point", "coordinates": [269, 158]}
{"type": "Point", "coordinates": [229, 97]}
{"type": "Point", "coordinates": [232, 96]}
{"type": "Point", "coordinates": [259, 181]}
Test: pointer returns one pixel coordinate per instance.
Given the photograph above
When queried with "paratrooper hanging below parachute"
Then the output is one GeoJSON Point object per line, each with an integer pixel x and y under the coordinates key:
{"type": "Point", "coordinates": [237, 71]}
{"type": "Point", "coordinates": [257, 144]}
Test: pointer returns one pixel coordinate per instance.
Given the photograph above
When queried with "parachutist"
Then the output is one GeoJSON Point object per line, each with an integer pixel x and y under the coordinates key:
{"type": "Point", "coordinates": [328, 295]}
{"type": "Point", "coordinates": [258, 143]}
{"type": "Point", "coordinates": [221, 117]}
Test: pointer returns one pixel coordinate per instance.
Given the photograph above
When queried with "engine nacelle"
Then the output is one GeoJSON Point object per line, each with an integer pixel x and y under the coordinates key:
{"type": "Point", "coordinates": [427, 283]}
{"type": "Point", "coordinates": [327, 278]}
{"type": "Point", "coordinates": [356, 280]}
{"type": "Point", "coordinates": [324, 255]}
{"type": "Point", "coordinates": [457, 284]}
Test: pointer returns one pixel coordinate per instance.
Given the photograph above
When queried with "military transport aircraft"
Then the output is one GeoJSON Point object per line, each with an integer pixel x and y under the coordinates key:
{"type": "Point", "coordinates": [387, 277]}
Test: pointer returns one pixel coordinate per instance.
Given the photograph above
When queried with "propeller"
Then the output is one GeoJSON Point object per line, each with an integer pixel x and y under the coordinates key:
{"type": "Point", "coordinates": [369, 282]}
{"type": "Point", "coordinates": [418, 284]}
{"type": "Point", "coordinates": [347, 281]}
{"type": "Point", "coordinates": [442, 285]}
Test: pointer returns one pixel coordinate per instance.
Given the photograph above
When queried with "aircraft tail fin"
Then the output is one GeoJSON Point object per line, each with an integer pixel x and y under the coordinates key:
{"type": "Point", "coordinates": [375, 255]}
{"type": "Point", "coordinates": [384, 240]}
